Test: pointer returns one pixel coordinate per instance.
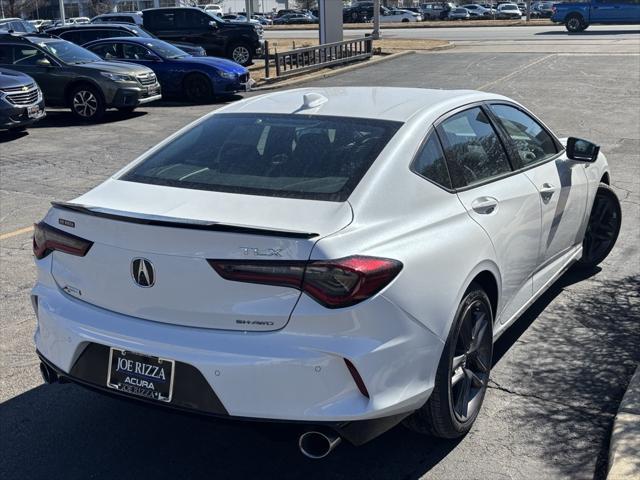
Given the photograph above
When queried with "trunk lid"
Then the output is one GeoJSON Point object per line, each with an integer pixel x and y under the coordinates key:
{"type": "Point", "coordinates": [176, 230]}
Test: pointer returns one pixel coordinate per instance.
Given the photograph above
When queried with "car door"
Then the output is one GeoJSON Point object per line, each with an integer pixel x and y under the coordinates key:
{"type": "Point", "coordinates": [163, 24]}
{"type": "Point", "coordinates": [561, 184]}
{"type": "Point", "coordinates": [622, 11]}
{"type": "Point", "coordinates": [196, 28]}
{"type": "Point", "coordinates": [29, 59]}
{"type": "Point", "coordinates": [604, 10]}
{"type": "Point", "coordinates": [503, 202]}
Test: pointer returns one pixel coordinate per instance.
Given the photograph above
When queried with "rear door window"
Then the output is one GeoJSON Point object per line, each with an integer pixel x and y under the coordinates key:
{"type": "Point", "coordinates": [160, 20]}
{"type": "Point", "coordinates": [297, 156]}
{"type": "Point", "coordinates": [473, 150]}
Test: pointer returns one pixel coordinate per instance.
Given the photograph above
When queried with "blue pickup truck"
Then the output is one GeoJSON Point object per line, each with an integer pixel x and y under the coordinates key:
{"type": "Point", "coordinates": [577, 16]}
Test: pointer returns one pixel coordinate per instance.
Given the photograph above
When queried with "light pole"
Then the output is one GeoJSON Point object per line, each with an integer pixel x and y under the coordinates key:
{"type": "Point", "coordinates": [376, 20]}
{"type": "Point", "coordinates": [61, 6]}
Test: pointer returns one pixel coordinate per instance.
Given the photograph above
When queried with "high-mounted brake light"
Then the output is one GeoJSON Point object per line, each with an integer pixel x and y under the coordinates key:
{"type": "Point", "coordinates": [46, 239]}
{"type": "Point", "coordinates": [333, 283]}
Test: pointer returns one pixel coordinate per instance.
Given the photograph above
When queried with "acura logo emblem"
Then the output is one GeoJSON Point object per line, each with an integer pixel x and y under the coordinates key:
{"type": "Point", "coordinates": [142, 272]}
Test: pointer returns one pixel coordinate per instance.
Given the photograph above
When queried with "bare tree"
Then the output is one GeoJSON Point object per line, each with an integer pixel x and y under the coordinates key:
{"type": "Point", "coordinates": [306, 4]}
{"type": "Point", "coordinates": [98, 7]}
{"type": "Point", "coordinates": [13, 8]}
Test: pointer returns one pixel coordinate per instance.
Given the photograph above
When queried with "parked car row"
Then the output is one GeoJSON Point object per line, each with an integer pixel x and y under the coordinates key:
{"type": "Point", "coordinates": [363, 11]}
{"type": "Point", "coordinates": [121, 72]}
{"type": "Point", "coordinates": [193, 29]}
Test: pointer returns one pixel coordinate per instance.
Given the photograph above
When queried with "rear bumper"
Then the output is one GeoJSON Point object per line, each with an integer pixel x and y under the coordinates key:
{"type": "Point", "coordinates": [282, 375]}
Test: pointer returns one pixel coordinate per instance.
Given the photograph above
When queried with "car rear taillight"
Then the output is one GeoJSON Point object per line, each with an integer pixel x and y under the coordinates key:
{"type": "Point", "coordinates": [332, 283]}
{"type": "Point", "coordinates": [46, 239]}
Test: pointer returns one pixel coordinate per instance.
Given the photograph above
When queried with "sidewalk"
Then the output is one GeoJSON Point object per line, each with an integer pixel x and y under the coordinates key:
{"type": "Point", "coordinates": [624, 450]}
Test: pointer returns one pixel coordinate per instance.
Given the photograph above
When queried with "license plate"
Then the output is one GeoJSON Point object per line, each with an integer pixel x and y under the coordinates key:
{"type": "Point", "coordinates": [141, 375]}
{"type": "Point", "coordinates": [33, 111]}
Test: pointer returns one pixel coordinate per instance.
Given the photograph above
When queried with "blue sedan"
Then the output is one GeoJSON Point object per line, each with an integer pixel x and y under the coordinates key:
{"type": "Point", "coordinates": [198, 79]}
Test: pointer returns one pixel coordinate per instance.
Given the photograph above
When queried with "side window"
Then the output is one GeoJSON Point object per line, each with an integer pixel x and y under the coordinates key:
{"type": "Point", "coordinates": [135, 52]}
{"type": "Point", "coordinates": [107, 51]}
{"type": "Point", "coordinates": [472, 148]}
{"type": "Point", "coordinates": [27, 55]}
{"type": "Point", "coordinates": [76, 36]}
{"type": "Point", "coordinates": [430, 162]}
{"type": "Point", "coordinates": [17, 27]}
{"type": "Point", "coordinates": [6, 55]}
{"type": "Point", "coordinates": [194, 19]}
{"type": "Point", "coordinates": [112, 32]}
{"type": "Point", "coordinates": [532, 142]}
{"type": "Point", "coordinates": [161, 20]}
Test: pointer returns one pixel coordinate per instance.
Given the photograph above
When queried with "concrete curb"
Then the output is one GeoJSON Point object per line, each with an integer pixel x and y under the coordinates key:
{"type": "Point", "coordinates": [369, 26]}
{"type": "Point", "coordinates": [624, 447]}
{"type": "Point", "coordinates": [307, 78]}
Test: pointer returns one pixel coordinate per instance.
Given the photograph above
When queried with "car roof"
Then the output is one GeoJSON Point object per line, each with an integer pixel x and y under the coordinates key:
{"type": "Point", "coordinates": [385, 103]}
{"type": "Point", "coordinates": [142, 40]}
{"type": "Point", "coordinates": [89, 26]}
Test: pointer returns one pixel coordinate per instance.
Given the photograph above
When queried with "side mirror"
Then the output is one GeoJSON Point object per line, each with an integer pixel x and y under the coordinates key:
{"type": "Point", "coordinates": [213, 24]}
{"type": "Point", "coordinates": [582, 150]}
{"type": "Point", "coordinates": [43, 62]}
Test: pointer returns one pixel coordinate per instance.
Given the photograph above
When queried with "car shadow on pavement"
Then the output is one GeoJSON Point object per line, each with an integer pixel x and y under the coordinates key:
{"type": "Point", "coordinates": [69, 432]}
{"type": "Point", "coordinates": [9, 136]}
{"type": "Point", "coordinates": [569, 360]}
{"type": "Point", "coordinates": [64, 118]}
{"type": "Point", "coordinates": [588, 32]}
{"type": "Point", "coordinates": [178, 102]}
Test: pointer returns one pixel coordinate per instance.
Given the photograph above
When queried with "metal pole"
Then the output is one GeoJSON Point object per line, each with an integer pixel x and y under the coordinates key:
{"type": "Point", "coordinates": [2, 8]}
{"type": "Point", "coordinates": [266, 59]}
{"type": "Point", "coordinates": [528, 7]}
{"type": "Point", "coordinates": [376, 20]}
{"type": "Point", "coordinates": [61, 4]}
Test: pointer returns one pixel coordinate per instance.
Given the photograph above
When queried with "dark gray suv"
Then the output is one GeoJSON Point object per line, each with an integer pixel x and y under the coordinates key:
{"type": "Point", "coordinates": [71, 76]}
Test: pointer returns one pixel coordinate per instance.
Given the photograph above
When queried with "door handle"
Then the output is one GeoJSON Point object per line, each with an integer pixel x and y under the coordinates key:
{"type": "Point", "coordinates": [546, 191]}
{"type": "Point", "coordinates": [484, 205]}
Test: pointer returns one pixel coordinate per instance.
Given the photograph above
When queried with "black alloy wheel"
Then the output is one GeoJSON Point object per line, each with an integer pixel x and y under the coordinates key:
{"type": "Point", "coordinates": [603, 227]}
{"type": "Point", "coordinates": [471, 361]}
{"type": "Point", "coordinates": [462, 376]}
{"type": "Point", "coordinates": [197, 89]}
{"type": "Point", "coordinates": [575, 24]}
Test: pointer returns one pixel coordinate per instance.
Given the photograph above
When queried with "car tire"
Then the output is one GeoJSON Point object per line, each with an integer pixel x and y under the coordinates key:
{"type": "Point", "coordinates": [405, 20]}
{"type": "Point", "coordinates": [575, 23]}
{"type": "Point", "coordinates": [463, 371]}
{"type": "Point", "coordinates": [197, 88]}
{"type": "Point", "coordinates": [18, 129]}
{"type": "Point", "coordinates": [241, 53]}
{"type": "Point", "coordinates": [603, 227]}
{"type": "Point", "coordinates": [86, 103]}
{"type": "Point", "coordinates": [127, 110]}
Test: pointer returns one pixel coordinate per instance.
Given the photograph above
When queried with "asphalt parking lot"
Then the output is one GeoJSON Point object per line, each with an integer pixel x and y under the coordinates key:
{"type": "Point", "coordinates": [559, 372]}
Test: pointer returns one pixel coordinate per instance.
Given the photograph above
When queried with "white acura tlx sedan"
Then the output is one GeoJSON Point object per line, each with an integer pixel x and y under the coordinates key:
{"type": "Point", "coordinates": [342, 258]}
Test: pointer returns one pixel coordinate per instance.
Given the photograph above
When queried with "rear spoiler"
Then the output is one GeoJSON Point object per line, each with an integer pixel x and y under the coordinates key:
{"type": "Point", "coordinates": [160, 221]}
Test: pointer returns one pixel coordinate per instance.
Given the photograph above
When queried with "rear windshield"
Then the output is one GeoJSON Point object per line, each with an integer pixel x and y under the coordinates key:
{"type": "Point", "coordinates": [297, 156]}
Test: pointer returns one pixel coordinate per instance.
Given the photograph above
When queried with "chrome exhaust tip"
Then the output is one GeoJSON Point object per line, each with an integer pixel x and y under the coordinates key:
{"type": "Point", "coordinates": [317, 445]}
{"type": "Point", "coordinates": [48, 375]}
